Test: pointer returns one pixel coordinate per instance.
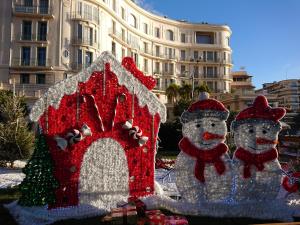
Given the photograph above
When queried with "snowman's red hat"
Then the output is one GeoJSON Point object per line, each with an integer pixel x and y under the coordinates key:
{"type": "Point", "coordinates": [260, 110]}
{"type": "Point", "coordinates": [205, 107]}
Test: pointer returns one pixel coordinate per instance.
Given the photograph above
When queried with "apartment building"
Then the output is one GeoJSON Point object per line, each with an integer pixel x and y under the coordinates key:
{"type": "Point", "coordinates": [45, 41]}
{"type": "Point", "coordinates": [288, 92]}
{"type": "Point", "coordinates": [242, 93]}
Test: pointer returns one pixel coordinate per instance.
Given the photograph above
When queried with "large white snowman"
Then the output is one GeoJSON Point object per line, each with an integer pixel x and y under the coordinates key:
{"type": "Point", "coordinates": [202, 168]}
{"type": "Point", "coordinates": [258, 172]}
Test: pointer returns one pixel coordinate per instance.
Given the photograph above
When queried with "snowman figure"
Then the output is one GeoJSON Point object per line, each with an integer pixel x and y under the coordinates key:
{"type": "Point", "coordinates": [202, 168]}
{"type": "Point", "coordinates": [257, 170]}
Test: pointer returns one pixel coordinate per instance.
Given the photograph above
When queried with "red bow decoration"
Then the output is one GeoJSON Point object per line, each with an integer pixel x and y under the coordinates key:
{"type": "Point", "coordinates": [257, 160]}
{"type": "Point", "coordinates": [204, 156]}
{"type": "Point", "coordinates": [289, 184]}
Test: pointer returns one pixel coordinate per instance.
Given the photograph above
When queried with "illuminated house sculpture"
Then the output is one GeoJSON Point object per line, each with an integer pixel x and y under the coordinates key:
{"type": "Point", "coordinates": [101, 127]}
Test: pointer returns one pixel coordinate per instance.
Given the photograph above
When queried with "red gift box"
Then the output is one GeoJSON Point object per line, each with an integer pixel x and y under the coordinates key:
{"type": "Point", "coordinates": [124, 215]}
{"type": "Point", "coordinates": [176, 220]}
{"type": "Point", "coordinates": [155, 217]}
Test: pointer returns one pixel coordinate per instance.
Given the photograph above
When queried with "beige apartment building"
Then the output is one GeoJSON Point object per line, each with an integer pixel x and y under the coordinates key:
{"type": "Point", "coordinates": [242, 93]}
{"type": "Point", "coordinates": [45, 41]}
{"type": "Point", "coordinates": [287, 91]}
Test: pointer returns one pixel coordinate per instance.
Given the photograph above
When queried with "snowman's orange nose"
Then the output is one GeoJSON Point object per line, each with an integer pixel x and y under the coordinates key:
{"type": "Point", "coordinates": [264, 141]}
{"type": "Point", "coordinates": [210, 136]}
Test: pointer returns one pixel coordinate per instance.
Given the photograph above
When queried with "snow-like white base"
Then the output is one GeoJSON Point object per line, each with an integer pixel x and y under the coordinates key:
{"type": "Point", "coordinates": [43, 216]}
{"type": "Point", "coordinates": [10, 177]}
{"type": "Point", "coordinates": [277, 209]}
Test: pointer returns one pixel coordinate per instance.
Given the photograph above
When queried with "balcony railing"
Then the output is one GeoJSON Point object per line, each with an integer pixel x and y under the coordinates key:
{"type": "Point", "coordinates": [84, 41]}
{"type": "Point", "coordinates": [77, 66]}
{"type": "Point", "coordinates": [31, 62]}
{"type": "Point", "coordinates": [85, 16]}
{"type": "Point", "coordinates": [31, 37]}
{"type": "Point", "coordinates": [35, 10]}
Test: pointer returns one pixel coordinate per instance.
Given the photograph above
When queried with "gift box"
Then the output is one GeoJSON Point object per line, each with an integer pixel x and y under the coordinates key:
{"type": "Point", "coordinates": [124, 215]}
{"type": "Point", "coordinates": [155, 217]}
{"type": "Point", "coordinates": [176, 220]}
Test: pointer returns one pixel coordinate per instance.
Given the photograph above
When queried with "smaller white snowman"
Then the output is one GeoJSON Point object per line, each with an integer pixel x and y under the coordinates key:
{"type": "Point", "coordinates": [257, 170]}
{"type": "Point", "coordinates": [202, 168]}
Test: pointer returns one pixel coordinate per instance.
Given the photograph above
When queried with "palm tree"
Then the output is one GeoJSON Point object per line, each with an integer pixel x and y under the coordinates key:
{"type": "Point", "coordinates": [172, 92]}
{"type": "Point", "coordinates": [185, 92]}
{"type": "Point", "coordinates": [201, 88]}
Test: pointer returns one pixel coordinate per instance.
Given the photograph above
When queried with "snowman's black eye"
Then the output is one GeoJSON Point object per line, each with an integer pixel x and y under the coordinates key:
{"type": "Point", "coordinates": [213, 124]}
{"type": "Point", "coordinates": [264, 131]}
{"type": "Point", "coordinates": [251, 131]}
{"type": "Point", "coordinates": [198, 125]}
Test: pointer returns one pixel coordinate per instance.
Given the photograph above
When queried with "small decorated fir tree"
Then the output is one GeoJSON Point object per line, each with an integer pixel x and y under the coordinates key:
{"type": "Point", "coordinates": [39, 184]}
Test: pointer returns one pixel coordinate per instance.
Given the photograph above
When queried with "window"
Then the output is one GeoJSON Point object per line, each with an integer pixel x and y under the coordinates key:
{"type": "Point", "coordinates": [26, 33]}
{"type": "Point", "coordinates": [146, 65]}
{"type": "Point", "coordinates": [157, 50]}
{"type": "Point", "coordinates": [44, 6]}
{"type": "Point", "coordinates": [79, 8]}
{"type": "Point", "coordinates": [79, 56]}
{"type": "Point", "coordinates": [28, 3]}
{"type": "Point", "coordinates": [182, 55]}
{"type": "Point", "coordinates": [123, 53]}
{"type": "Point", "coordinates": [123, 34]}
{"type": "Point", "coordinates": [224, 56]}
{"type": "Point", "coordinates": [79, 31]}
{"type": "Point", "coordinates": [145, 28]}
{"type": "Point", "coordinates": [196, 55]}
{"type": "Point", "coordinates": [182, 38]}
{"type": "Point", "coordinates": [157, 67]}
{"type": "Point", "coordinates": [170, 53]}
{"type": "Point", "coordinates": [182, 70]}
{"type": "Point", "coordinates": [113, 48]}
{"type": "Point", "coordinates": [91, 36]}
{"type": "Point", "coordinates": [145, 47]}
{"type": "Point", "coordinates": [96, 15]}
{"type": "Point", "coordinates": [95, 36]}
{"type": "Point", "coordinates": [25, 61]}
{"type": "Point", "coordinates": [210, 72]}
{"type": "Point", "coordinates": [196, 71]}
{"type": "Point", "coordinates": [170, 35]}
{"type": "Point", "coordinates": [113, 27]}
{"type": "Point", "coordinates": [210, 85]}
{"type": "Point", "coordinates": [228, 41]}
{"type": "Point", "coordinates": [123, 13]}
{"type": "Point", "coordinates": [40, 78]}
{"type": "Point", "coordinates": [157, 32]}
{"type": "Point", "coordinates": [24, 78]}
{"type": "Point", "coordinates": [88, 58]}
{"type": "Point", "coordinates": [210, 56]}
{"type": "Point", "coordinates": [41, 56]}
{"type": "Point", "coordinates": [204, 37]}
{"type": "Point", "coordinates": [114, 5]}
{"type": "Point", "coordinates": [157, 83]}
{"type": "Point", "coordinates": [132, 21]}
{"type": "Point", "coordinates": [42, 31]}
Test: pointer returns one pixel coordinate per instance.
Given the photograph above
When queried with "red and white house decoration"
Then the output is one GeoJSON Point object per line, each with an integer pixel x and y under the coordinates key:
{"type": "Point", "coordinates": [106, 163]}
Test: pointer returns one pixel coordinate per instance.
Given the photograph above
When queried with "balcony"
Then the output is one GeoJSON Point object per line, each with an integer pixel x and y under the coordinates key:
{"type": "Point", "coordinates": [120, 36]}
{"type": "Point", "coordinates": [88, 17]}
{"type": "Point", "coordinates": [84, 42]}
{"type": "Point", "coordinates": [32, 63]}
{"type": "Point", "coordinates": [31, 38]}
{"type": "Point", "coordinates": [33, 11]}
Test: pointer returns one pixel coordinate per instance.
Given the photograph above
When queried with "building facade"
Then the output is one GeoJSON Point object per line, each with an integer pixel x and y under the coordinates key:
{"type": "Point", "coordinates": [287, 91]}
{"type": "Point", "coordinates": [242, 93]}
{"type": "Point", "coordinates": [45, 41]}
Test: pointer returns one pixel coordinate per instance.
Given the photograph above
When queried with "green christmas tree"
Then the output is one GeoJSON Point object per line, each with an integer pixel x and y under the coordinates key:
{"type": "Point", "coordinates": [39, 184]}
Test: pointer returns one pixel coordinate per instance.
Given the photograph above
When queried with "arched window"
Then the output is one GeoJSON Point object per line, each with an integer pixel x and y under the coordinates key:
{"type": "Point", "coordinates": [132, 20]}
{"type": "Point", "coordinates": [170, 35]}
